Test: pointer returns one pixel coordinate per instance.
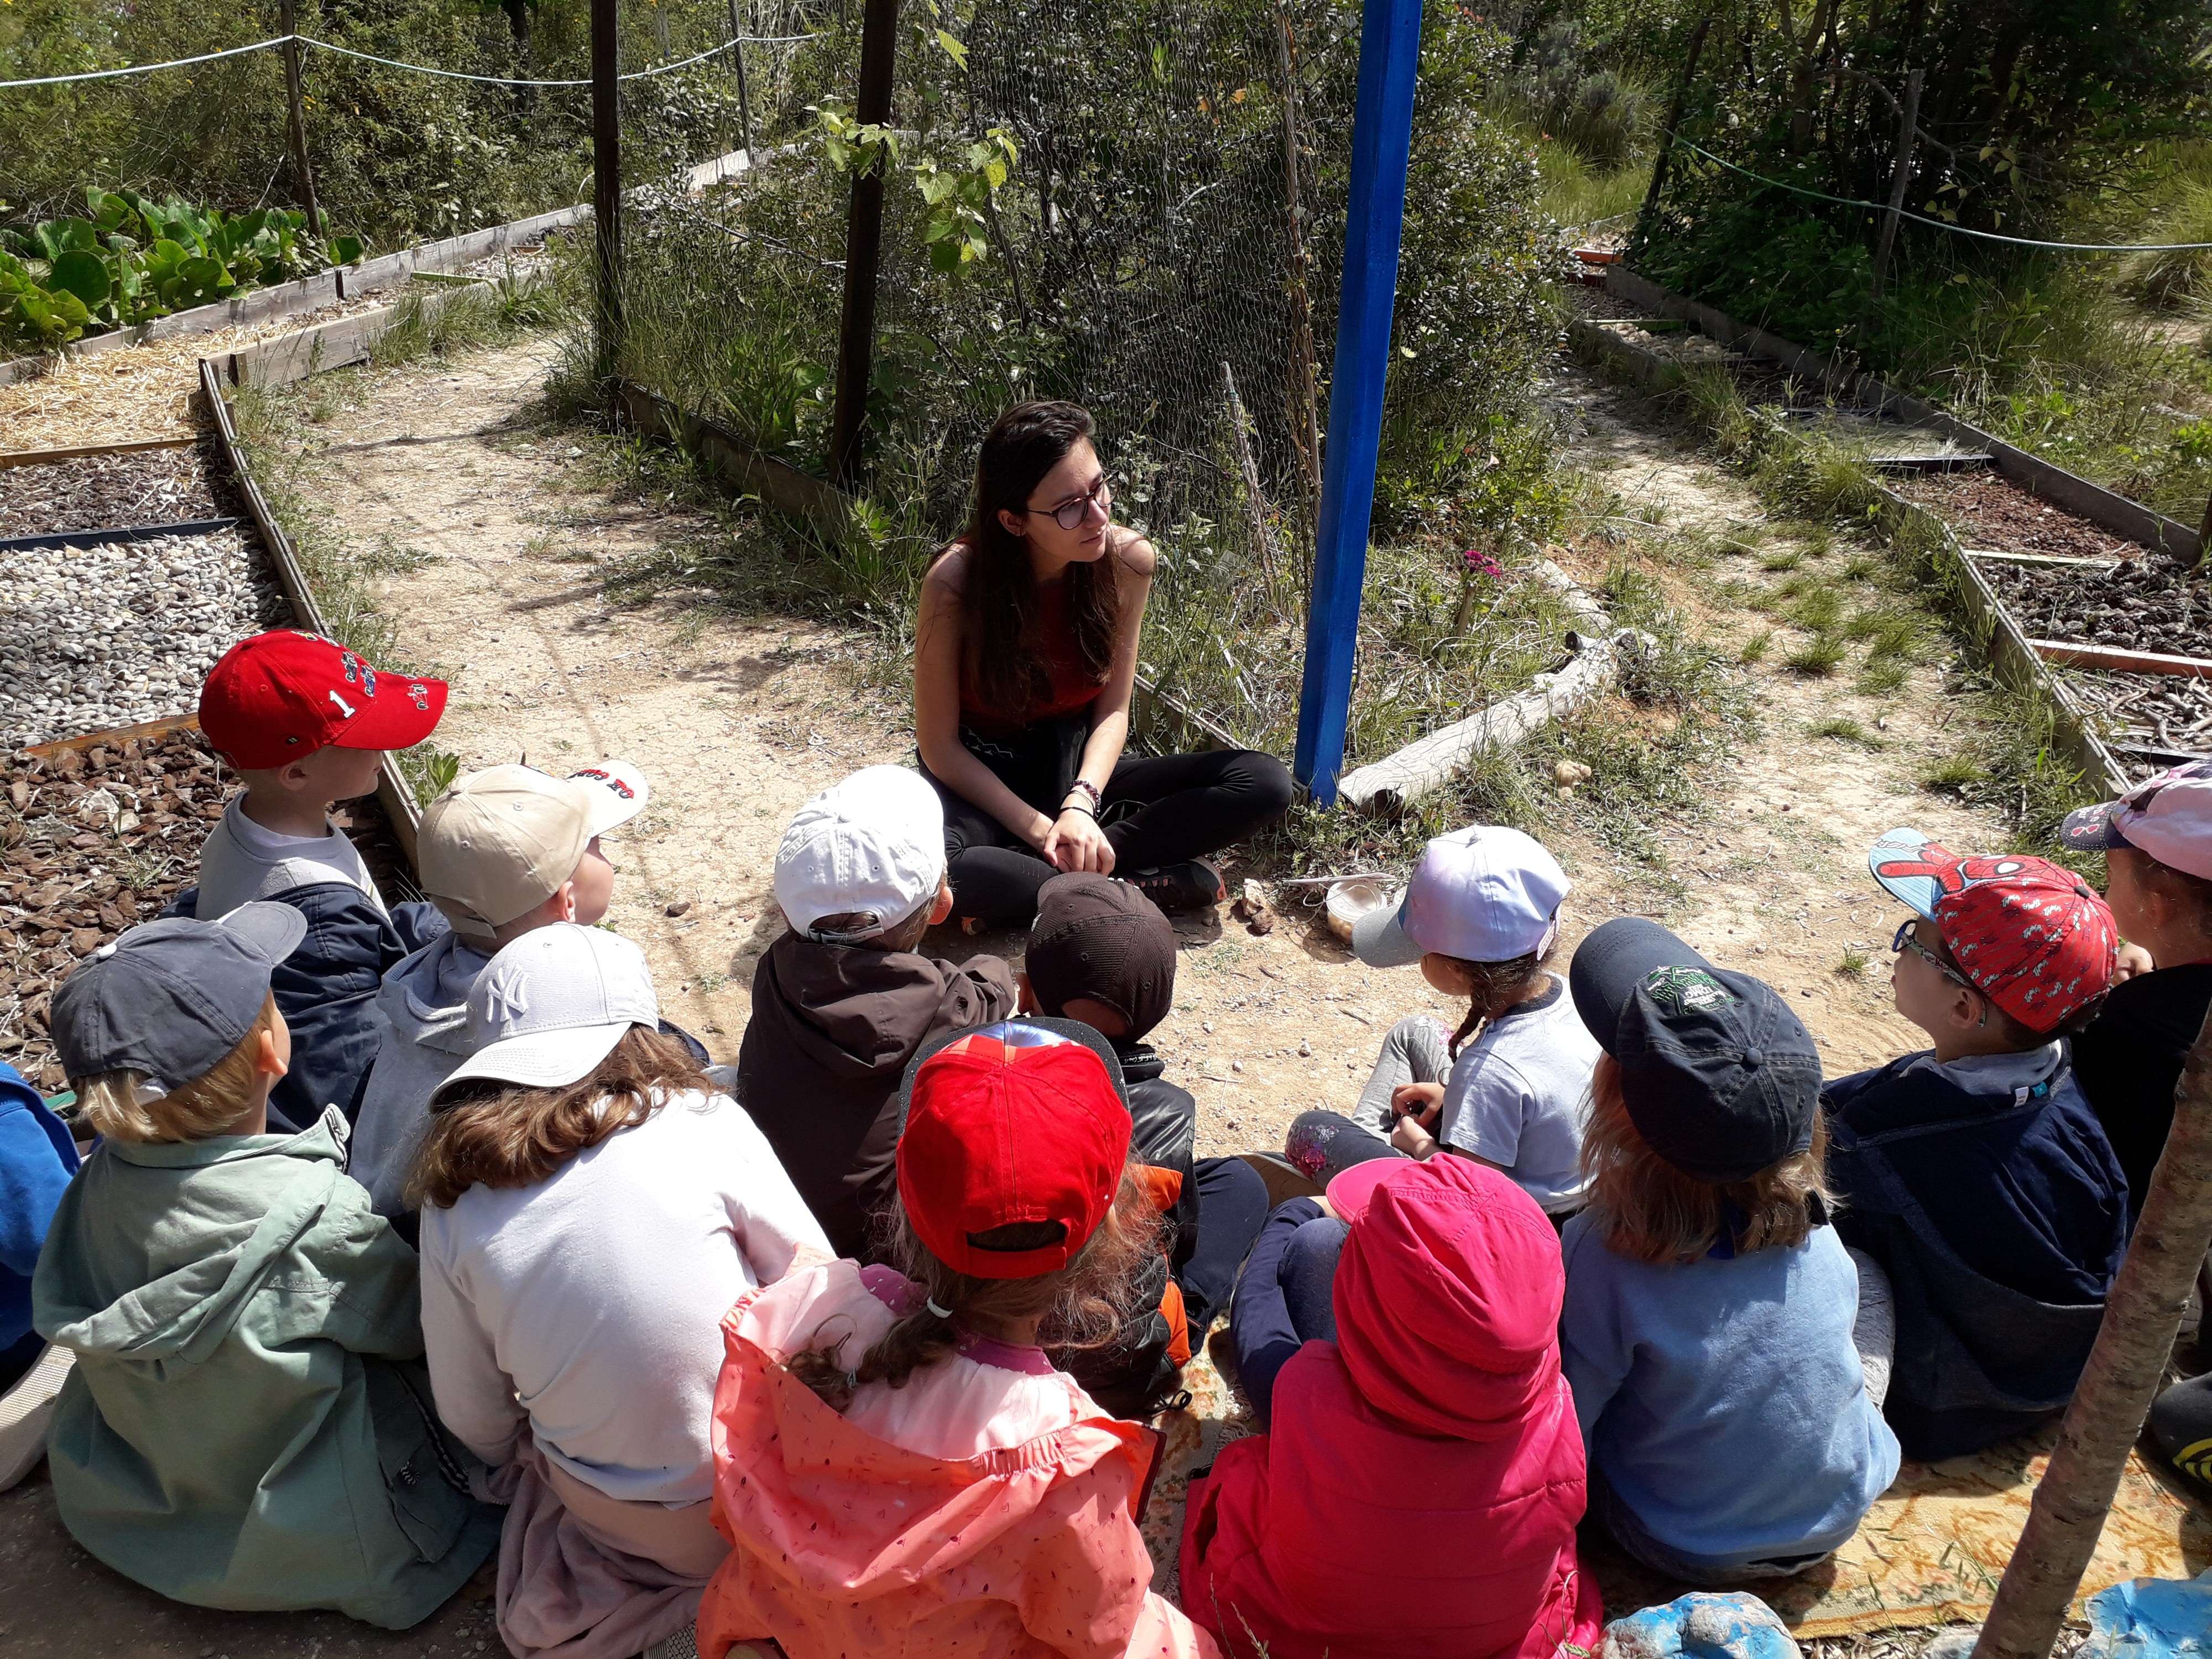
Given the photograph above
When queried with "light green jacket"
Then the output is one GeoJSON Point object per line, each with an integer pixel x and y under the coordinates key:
{"type": "Point", "coordinates": [248, 1425]}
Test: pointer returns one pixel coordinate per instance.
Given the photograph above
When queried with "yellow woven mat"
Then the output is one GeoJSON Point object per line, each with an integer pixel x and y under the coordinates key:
{"type": "Point", "coordinates": [1930, 1552]}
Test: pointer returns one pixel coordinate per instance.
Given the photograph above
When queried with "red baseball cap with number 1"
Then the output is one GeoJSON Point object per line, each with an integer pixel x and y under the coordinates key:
{"type": "Point", "coordinates": [279, 696]}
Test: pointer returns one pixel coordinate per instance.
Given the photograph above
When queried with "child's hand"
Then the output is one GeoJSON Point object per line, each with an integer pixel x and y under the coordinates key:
{"type": "Point", "coordinates": [1412, 1138]}
{"type": "Point", "coordinates": [1419, 1100]}
{"type": "Point", "coordinates": [2133, 960]}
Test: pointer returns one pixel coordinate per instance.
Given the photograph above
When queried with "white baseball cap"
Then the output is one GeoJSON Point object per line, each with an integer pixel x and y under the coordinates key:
{"type": "Point", "coordinates": [873, 845]}
{"type": "Point", "coordinates": [1482, 894]}
{"type": "Point", "coordinates": [619, 792]}
{"type": "Point", "coordinates": [551, 1005]}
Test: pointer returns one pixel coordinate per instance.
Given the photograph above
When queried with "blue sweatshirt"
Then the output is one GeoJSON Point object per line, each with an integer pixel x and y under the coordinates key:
{"type": "Point", "coordinates": [1722, 1399]}
{"type": "Point", "coordinates": [37, 1158]}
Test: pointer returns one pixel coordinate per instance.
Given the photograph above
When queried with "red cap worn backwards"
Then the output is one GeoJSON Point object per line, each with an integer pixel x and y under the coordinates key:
{"type": "Point", "coordinates": [1011, 1123]}
{"type": "Point", "coordinates": [279, 696]}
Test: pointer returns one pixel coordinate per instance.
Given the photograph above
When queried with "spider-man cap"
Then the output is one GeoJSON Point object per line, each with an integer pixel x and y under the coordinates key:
{"type": "Point", "coordinates": [279, 696]}
{"type": "Point", "coordinates": [2030, 935]}
{"type": "Point", "coordinates": [1019, 1121]}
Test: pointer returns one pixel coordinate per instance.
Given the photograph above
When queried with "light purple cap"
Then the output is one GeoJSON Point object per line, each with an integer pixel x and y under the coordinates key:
{"type": "Point", "coordinates": [1482, 894]}
{"type": "Point", "coordinates": [2168, 817]}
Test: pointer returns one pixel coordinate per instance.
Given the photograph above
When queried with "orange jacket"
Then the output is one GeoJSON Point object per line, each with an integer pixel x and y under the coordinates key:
{"type": "Point", "coordinates": [844, 1544]}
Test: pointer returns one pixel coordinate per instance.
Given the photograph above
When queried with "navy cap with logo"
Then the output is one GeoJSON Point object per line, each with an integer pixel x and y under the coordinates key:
{"type": "Point", "coordinates": [1717, 1074]}
{"type": "Point", "coordinates": [170, 998]}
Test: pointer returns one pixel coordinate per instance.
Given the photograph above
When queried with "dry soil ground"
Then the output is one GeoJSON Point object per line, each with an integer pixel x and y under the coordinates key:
{"type": "Point", "coordinates": [736, 721]}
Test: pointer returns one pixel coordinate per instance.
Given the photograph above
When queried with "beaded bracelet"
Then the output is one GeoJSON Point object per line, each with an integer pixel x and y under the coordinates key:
{"type": "Point", "coordinates": [1090, 789]}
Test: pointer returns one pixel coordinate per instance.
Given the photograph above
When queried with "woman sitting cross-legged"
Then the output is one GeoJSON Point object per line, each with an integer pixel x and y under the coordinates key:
{"type": "Point", "coordinates": [1025, 657]}
{"type": "Point", "coordinates": [590, 1209]}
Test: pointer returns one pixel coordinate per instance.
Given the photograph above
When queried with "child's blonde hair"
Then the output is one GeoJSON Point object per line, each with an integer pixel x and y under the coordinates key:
{"type": "Point", "coordinates": [1647, 1210]}
{"type": "Point", "coordinates": [125, 1106]}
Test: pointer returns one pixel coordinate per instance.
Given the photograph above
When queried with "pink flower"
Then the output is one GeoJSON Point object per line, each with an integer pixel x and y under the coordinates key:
{"type": "Point", "coordinates": [1479, 564]}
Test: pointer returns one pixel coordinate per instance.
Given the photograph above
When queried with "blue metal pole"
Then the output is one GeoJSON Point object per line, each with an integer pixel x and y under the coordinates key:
{"type": "Point", "coordinates": [1381, 133]}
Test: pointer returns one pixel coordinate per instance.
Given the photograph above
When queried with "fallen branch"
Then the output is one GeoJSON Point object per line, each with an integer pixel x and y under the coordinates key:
{"type": "Point", "coordinates": [1393, 784]}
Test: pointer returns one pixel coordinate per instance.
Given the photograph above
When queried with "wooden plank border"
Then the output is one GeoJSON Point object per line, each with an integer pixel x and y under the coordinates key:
{"type": "Point", "coordinates": [2114, 661]}
{"type": "Point", "coordinates": [82, 451]}
{"type": "Point", "coordinates": [2114, 512]}
{"type": "Point", "coordinates": [392, 789]}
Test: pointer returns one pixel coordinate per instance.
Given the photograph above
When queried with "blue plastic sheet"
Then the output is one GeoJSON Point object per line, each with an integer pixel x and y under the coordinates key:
{"type": "Point", "coordinates": [2151, 1619]}
{"type": "Point", "coordinates": [1736, 1626]}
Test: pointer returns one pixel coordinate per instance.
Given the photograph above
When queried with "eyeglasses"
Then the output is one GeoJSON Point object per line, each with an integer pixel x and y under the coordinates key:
{"type": "Point", "coordinates": [1905, 941]}
{"type": "Point", "coordinates": [1073, 512]}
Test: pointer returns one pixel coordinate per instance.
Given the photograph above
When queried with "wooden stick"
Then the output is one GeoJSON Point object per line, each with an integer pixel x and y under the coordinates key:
{"type": "Point", "coordinates": [1900, 176]}
{"type": "Point", "coordinates": [606, 193]}
{"type": "Point", "coordinates": [297, 119]}
{"type": "Point", "coordinates": [2142, 1314]}
{"type": "Point", "coordinates": [2122, 662]}
{"type": "Point", "coordinates": [1674, 117]}
{"type": "Point", "coordinates": [864, 244]}
{"type": "Point", "coordinates": [1305, 417]}
{"type": "Point", "coordinates": [78, 451]}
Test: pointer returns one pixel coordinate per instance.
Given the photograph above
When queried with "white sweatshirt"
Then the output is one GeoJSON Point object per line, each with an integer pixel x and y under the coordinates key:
{"type": "Point", "coordinates": [591, 1303]}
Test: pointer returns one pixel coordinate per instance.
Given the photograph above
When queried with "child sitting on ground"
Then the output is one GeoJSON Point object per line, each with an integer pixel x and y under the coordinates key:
{"type": "Point", "coordinates": [37, 1158]}
{"type": "Point", "coordinates": [867, 1415]}
{"type": "Point", "coordinates": [841, 1001]}
{"type": "Point", "coordinates": [305, 723]}
{"type": "Point", "coordinates": [590, 1209]}
{"type": "Point", "coordinates": [1481, 918]}
{"type": "Point", "coordinates": [501, 851]}
{"type": "Point", "coordinates": [2157, 843]}
{"type": "Point", "coordinates": [1102, 953]}
{"type": "Point", "coordinates": [1709, 1322]}
{"type": "Point", "coordinates": [246, 1425]}
{"type": "Point", "coordinates": [1452, 1431]}
{"type": "Point", "coordinates": [1974, 1172]}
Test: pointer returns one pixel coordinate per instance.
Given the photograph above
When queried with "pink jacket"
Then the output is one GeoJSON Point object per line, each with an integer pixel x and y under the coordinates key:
{"type": "Point", "coordinates": [1419, 1490]}
{"type": "Point", "coordinates": [846, 1544]}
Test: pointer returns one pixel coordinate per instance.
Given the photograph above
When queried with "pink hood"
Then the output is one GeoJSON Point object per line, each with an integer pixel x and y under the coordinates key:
{"type": "Point", "coordinates": [1434, 1443]}
{"type": "Point", "coordinates": [845, 1544]}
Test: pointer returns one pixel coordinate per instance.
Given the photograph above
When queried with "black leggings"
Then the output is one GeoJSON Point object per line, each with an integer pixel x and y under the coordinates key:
{"type": "Point", "coordinates": [1157, 810]}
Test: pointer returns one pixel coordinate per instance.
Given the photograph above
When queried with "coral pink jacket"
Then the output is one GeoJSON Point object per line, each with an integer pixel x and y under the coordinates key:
{"type": "Point", "coordinates": [845, 1544]}
{"type": "Point", "coordinates": [1417, 1496]}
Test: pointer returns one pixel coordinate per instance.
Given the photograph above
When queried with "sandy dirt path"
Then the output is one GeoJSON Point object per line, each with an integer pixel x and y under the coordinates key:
{"type": "Point", "coordinates": [736, 721]}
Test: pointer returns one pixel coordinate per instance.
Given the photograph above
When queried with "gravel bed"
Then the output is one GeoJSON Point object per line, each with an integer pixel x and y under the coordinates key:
{"type": "Point", "coordinates": [123, 633]}
{"type": "Point", "coordinates": [106, 492]}
{"type": "Point", "coordinates": [96, 839]}
{"type": "Point", "coordinates": [1989, 511]}
{"type": "Point", "coordinates": [2146, 603]}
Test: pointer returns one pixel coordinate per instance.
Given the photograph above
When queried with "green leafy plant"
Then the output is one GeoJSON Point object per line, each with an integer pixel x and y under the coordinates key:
{"type": "Point", "coordinates": [134, 259]}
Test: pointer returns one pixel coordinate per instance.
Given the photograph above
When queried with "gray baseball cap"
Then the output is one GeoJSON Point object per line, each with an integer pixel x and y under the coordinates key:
{"type": "Point", "coordinates": [170, 998]}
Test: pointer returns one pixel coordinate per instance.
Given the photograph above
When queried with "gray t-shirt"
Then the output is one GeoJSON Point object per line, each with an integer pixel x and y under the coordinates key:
{"type": "Point", "coordinates": [1519, 1096]}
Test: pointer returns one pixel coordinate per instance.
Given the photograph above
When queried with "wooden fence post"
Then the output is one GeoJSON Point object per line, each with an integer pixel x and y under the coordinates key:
{"type": "Point", "coordinates": [1908, 127]}
{"type": "Point", "coordinates": [1305, 410]}
{"type": "Point", "coordinates": [864, 244]}
{"type": "Point", "coordinates": [1674, 117]}
{"type": "Point", "coordinates": [744, 102]}
{"type": "Point", "coordinates": [2141, 1316]}
{"type": "Point", "coordinates": [296, 124]}
{"type": "Point", "coordinates": [606, 194]}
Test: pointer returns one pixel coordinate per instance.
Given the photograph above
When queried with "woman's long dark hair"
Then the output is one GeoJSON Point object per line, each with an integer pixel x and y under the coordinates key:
{"type": "Point", "coordinates": [1001, 655]}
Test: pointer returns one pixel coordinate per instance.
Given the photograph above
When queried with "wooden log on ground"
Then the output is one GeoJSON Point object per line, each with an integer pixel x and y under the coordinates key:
{"type": "Point", "coordinates": [1392, 784]}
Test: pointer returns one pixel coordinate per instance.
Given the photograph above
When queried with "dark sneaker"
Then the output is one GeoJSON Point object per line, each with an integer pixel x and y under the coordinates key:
{"type": "Point", "coordinates": [2181, 1423]}
{"type": "Point", "coordinates": [1191, 886]}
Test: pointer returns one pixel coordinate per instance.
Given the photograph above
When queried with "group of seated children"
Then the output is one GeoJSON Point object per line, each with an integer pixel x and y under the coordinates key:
{"type": "Point", "coordinates": [847, 1348]}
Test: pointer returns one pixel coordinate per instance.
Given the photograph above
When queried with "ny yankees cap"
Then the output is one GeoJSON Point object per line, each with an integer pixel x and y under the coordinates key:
{"type": "Point", "coordinates": [551, 1006]}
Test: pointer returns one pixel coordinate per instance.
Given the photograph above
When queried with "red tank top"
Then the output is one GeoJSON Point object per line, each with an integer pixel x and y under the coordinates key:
{"type": "Point", "coordinates": [1073, 691]}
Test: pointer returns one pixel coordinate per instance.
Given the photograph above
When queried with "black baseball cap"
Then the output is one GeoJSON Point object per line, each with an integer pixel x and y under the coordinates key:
{"type": "Point", "coordinates": [1716, 1072]}
{"type": "Point", "coordinates": [1101, 938]}
{"type": "Point", "coordinates": [170, 998]}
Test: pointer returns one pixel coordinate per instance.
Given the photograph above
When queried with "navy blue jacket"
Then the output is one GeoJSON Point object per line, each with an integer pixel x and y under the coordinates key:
{"type": "Point", "coordinates": [2001, 1222]}
{"type": "Point", "coordinates": [326, 991]}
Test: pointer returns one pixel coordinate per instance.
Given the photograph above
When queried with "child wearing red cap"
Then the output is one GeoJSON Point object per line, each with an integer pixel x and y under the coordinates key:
{"type": "Point", "coordinates": [1974, 1172]}
{"type": "Point", "coordinates": [897, 1466]}
{"type": "Point", "coordinates": [305, 723]}
{"type": "Point", "coordinates": [1451, 1438]}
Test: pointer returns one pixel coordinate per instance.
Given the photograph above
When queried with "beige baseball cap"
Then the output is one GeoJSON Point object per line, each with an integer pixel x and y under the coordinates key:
{"type": "Point", "coordinates": [499, 842]}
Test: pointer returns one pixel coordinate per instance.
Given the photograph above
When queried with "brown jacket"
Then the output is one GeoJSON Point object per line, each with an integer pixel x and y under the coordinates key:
{"type": "Point", "coordinates": [832, 1030]}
